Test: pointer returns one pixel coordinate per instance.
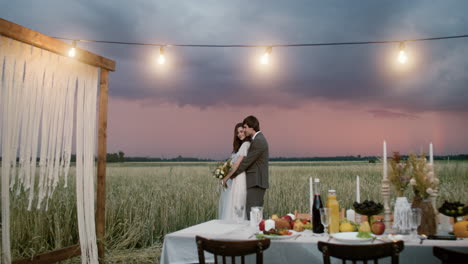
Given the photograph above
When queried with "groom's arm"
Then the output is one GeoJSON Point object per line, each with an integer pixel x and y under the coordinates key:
{"type": "Point", "coordinates": [253, 154]}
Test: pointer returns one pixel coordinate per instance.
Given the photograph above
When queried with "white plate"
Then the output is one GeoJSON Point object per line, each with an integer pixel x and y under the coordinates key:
{"type": "Point", "coordinates": [399, 237]}
{"type": "Point", "coordinates": [277, 237]}
{"type": "Point", "coordinates": [350, 237]}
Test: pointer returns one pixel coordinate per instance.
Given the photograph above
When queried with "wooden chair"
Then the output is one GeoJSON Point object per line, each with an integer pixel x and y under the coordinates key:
{"type": "Point", "coordinates": [231, 249]}
{"type": "Point", "coordinates": [450, 256]}
{"type": "Point", "coordinates": [362, 253]}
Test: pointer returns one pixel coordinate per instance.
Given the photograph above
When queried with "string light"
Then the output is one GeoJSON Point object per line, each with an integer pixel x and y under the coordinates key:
{"type": "Point", "coordinates": [265, 59]}
{"type": "Point", "coordinates": [161, 58]}
{"type": "Point", "coordinates": [402, 58]}
{"type": "Point", "coordinates": [72, 51]}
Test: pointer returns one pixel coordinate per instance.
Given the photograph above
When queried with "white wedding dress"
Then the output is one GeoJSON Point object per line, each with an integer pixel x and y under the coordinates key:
{"type": "Point", "coordinates": [232, 199]}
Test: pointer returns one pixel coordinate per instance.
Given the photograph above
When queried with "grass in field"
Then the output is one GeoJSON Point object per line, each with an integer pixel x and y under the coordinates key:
{"type": "Point", "coordinates": [149, 255]}
{"type": "Point", "coordinates": [146, 202]}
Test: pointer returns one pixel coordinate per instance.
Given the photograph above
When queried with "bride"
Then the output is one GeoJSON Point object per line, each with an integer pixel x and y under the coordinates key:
{"type": "Point", "coordinates": [233, 198]}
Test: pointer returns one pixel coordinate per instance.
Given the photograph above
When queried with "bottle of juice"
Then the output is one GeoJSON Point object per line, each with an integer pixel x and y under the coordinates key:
{"type": "Point", "coordinates": [334, 209]}
{"type": "Point", "coordinates": [317, 226]}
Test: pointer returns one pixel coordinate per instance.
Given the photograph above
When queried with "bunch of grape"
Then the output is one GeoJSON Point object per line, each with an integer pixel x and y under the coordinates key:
{"type": "Point", "coordinates": [454, 209]}
{"type": "Point", "coordinates": [368, 208]}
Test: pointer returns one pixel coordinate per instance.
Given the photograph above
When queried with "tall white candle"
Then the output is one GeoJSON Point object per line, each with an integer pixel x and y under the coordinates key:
{"type": "Point", "coordinates": [431, 154]}
{"type": "Point", "coordinates": [311, 192]}
{"type": "Point", "coordinates": [385, 160]}
{"type": "Point", "coordinates": [358, 190]}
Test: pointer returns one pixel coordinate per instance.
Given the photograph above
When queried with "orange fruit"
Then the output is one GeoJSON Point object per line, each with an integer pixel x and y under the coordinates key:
{"type": "Point", "coordinates": [460, 229]}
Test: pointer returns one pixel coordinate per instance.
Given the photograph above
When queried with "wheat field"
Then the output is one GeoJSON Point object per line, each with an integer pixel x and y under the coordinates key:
{"type": "Point", "coordinates": [145, 201]}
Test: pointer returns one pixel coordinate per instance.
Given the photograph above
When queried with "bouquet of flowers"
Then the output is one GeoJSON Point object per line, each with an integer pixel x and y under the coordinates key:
{"type": "Point", "coordinates": [399, 177]}
{"type": "Point", "coordinates": [424, 180]}
{"type": "Point", "coordinates": [222, 170]}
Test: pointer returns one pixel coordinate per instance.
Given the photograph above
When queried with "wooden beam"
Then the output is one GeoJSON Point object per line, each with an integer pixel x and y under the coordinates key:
{"type": "Point", "coordinates": [101, 166]}
{"type": "Point", "coordinates": [52, 256]}
{"type": "Point", "coordinates": [26, 35]}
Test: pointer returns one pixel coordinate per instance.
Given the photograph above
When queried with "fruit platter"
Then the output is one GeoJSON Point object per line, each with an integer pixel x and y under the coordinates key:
{"type": "Point", "coordinates": [288, 234]}
{"type": "Point", "coordinates": [291, 225]}
{"type": "Point", "coordinates": [453, 209]}
{"type": "Point", "coordinates": [285, 227]}
{"type": "Point", "coordinates": [368, 208]}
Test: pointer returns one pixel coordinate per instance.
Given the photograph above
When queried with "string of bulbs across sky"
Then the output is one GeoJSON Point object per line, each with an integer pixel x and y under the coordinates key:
{"type": "Point", "coordinates": [265, 58]}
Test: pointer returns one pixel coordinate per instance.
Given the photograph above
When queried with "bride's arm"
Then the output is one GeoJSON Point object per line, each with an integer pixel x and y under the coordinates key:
{"type": "Point", "coordinates": [233, 169]}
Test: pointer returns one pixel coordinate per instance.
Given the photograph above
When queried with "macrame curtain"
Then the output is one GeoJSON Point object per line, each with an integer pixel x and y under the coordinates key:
{"type": "Point", "coordinates": [42, 96]}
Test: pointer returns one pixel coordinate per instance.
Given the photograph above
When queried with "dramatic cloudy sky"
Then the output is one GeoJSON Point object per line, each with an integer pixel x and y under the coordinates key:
{"type": "Point", "coordinates": [311, 101]}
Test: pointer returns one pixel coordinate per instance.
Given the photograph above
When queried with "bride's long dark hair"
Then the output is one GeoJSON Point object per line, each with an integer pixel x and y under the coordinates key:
{"type": "Point", "coordinates": [237, 142]}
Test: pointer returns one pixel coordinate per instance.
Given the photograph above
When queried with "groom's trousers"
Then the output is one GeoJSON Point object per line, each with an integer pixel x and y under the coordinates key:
{"type": "Point", "coordinates": [254, 198]}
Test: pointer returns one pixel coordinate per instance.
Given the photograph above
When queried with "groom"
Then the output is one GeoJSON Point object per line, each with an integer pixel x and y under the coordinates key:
{"type": "Point", "coordinates": [255, 164]}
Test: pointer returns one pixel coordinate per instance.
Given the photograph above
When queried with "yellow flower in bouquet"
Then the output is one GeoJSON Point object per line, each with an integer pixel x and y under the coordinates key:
{"type": "Point", "coordinates": [424, 181]}
{"type": "Point", "coordinates": [222, 170]}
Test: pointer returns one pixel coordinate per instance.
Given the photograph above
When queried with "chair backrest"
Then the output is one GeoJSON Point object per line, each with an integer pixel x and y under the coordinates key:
{"type": "Point", "coordinates": [361, 252]}
{"type": "Point", "coordinates": [231, 249]}
{"type": "Point", "coordinates": [450, 256]}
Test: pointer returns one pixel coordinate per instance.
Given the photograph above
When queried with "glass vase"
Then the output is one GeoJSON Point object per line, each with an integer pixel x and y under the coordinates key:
{"type": "Point", "coordinates": [428, 224]}
{"type": "Point", "coordinates": [402, 216]}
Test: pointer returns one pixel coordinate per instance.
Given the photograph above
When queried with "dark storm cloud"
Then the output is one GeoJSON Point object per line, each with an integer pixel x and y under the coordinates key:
{"type": "Point", "coordinates": [206, 77]}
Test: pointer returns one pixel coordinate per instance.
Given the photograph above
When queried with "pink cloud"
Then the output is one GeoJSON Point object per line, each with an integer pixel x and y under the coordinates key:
{"type": "Point", "coordinates": [148, 128]}
{"type": "Point", "coordinates": [379, 113]}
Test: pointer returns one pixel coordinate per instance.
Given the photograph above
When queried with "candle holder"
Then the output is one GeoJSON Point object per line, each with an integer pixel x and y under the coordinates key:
{"type": "Point", "coordinates": [386, 201]}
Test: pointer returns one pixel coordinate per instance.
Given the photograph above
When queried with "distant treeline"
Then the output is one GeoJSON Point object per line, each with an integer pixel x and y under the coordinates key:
{"type": "Point", "coordinates": [371, 159]}
{"type": "Point", "coordinates": [120, 157]}
{"type": "Point", "coordinates": [177, 159]}
{"type": "Point", "coordinates": [336, 158]}
{"type": "Point", "coordinates": [362, 158]}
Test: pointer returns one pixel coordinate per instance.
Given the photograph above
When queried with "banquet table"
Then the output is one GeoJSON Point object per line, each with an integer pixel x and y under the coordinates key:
{"type": "Point", "coordinates": [180, 246]}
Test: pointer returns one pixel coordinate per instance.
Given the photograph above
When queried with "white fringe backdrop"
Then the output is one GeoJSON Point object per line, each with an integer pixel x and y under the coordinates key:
{"type": "Point", "coordinates": [42, 96]}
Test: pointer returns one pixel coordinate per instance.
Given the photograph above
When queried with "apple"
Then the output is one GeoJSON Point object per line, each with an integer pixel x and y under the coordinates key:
{"type": "Point", "coordinates": [261, 225]}
{"type": "Point", "coordinates": [298, 226]}
{"type": "Point", "coordinates": [378, 227]}
{"type": "Point", "coordinates": [295, 223]}
{"type": "Point", "coordinates": [289, 219]}
{"type": "Point", "coordinates": [304, 221]}
{"type": "Point", "coordinates": [274, 216]}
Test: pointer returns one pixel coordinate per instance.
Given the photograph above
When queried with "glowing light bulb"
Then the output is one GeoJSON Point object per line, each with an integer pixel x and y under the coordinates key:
{"type": "Point", "coordinates": [402, 58]}
{"type": "Point", "coordinates": [265, 59]}
{"type": "Point", "coordinates": [72, 51]}
{"type": "Point", "coordinates": [161, 58]}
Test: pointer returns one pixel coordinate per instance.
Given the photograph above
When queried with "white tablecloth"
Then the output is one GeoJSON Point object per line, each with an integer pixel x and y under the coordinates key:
{"type": "Point", "coordinates": [180, 246]}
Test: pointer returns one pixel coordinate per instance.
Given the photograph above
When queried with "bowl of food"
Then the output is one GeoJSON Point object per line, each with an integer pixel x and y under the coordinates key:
{"type": "Point", "coordinates": [453, 209]}
{"type": "Point", "coordinates": [368, 208]}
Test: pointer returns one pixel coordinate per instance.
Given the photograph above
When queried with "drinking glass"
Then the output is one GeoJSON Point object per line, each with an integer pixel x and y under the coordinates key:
{"type": "Point", "coordinates": [415, 221]}
{"type": "Point", "coordinates": [240, 211]}
{"type": "Point", "coordinates": [325, 218]}
{"type": "Point", "coordinates": [256, 216]}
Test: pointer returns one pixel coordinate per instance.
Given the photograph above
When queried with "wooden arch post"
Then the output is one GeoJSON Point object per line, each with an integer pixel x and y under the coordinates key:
{"type": "Point", "coordinates": [101, 165]}
{"type": "Point", "coordinates": [34, 38]}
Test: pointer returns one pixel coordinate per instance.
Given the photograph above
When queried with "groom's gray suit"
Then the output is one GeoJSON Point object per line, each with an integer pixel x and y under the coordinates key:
{"type": "Point", "coordinates": [255, 166]}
